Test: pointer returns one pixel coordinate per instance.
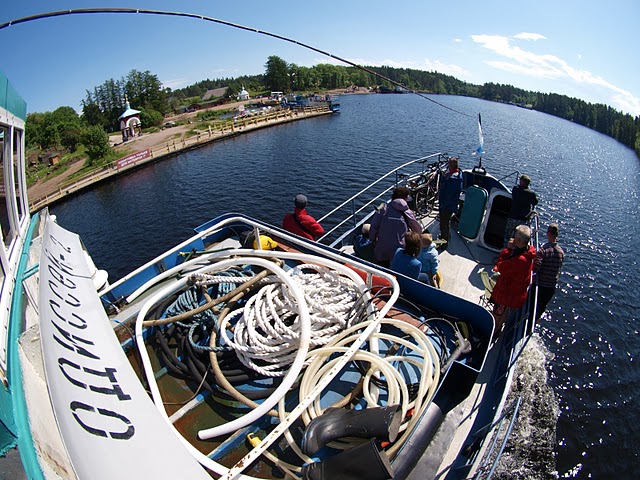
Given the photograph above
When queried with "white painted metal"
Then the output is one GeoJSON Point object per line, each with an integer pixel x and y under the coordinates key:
{"type": "Point", "coordinates": [99, 403]}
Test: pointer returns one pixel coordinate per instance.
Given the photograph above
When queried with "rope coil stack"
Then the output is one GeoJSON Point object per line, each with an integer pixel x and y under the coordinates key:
{"type": "Point", "coordinates": [266, 331]}
{"type": "Point", "coordinates": [303, 324]}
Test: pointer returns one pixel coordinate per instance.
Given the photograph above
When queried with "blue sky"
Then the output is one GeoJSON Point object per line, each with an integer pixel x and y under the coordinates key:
{"type": "Point", "coordinates": [585, 49]}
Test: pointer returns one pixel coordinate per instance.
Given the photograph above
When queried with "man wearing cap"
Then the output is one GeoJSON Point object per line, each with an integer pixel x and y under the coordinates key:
{"type": "Point", "coordinates": [546, 267]}
{"type": "Point", "coordinates": [300, 222]}
{"type": "Point", "coordinates": [523, 201]}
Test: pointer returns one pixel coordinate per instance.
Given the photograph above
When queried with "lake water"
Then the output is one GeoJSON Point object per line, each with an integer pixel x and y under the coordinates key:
{"type": "Point", "coordinates": [586, 182]}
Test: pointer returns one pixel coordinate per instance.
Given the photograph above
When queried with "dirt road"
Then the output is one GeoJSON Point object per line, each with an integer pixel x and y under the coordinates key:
{"type": "Point", "coordinates": [154, 141]}
{"type": "Point", "coordinates": [51, 184]}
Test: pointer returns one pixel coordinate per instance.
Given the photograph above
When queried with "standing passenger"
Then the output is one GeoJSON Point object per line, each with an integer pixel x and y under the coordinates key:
{"type": "Point", "coordinates": [300, 222]}
{"type": "Point", "coordinates": [546, 267]}
{"type": "Point", "coordinates": [514, 266]}
{"type": "Point", "coordinates": [389, 224]}
{"type": "Point", "coordinates": [450, 188]}
{"type": "Point", "coordinates": [523, 201]}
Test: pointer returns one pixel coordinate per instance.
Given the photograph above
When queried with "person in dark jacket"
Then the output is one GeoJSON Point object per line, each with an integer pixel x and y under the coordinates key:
{"type": "Point", "coordinates": [523, 201]}
{"type": "Point", "coordinates": [546, 267]}
{"type": "Point", "coordinates": [300, 222]}
{"type": "Point", "coordinates": [389, 224]}
{"type": "Point", "coordinates": [362, 244]}
{"type": "Point", "coordinates": [449, 196]}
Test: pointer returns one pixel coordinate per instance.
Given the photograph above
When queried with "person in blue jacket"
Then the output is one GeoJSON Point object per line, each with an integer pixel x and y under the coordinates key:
{"type": "Point", "coordinates": [449, 195]}
{"type": "Point", "coordinates": [405, 260]}
{"type": "Point", "coordinates": [429, 259]}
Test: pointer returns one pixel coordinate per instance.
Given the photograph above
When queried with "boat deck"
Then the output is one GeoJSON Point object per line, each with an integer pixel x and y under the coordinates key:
{"type": "Point", "coordinates": [462, 259]}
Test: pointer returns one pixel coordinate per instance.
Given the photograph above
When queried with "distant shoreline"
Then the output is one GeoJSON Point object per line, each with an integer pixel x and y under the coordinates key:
{"type": "Point", "coordinates": [160, 145]}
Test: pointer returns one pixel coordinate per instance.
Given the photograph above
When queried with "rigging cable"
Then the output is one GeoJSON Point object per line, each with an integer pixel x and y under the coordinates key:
{"type": "Point", "coordinates": [80, 11]}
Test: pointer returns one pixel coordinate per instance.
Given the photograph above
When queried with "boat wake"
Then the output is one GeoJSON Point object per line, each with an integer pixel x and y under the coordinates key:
{"type": "Point", "coordinates": [530, 452]}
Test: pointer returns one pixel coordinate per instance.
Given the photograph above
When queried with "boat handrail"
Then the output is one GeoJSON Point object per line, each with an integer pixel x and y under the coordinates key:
{"type": "Point", "coordinates": [515, 172]}
{"type": "Point", "coordinates": [486, 463]}
{"type": "Point", "coordinates": [353, 216]}
{"type": "Point", "coordinates": [217, 224]}
{"type": "Point", "coordinates": [366, 189]}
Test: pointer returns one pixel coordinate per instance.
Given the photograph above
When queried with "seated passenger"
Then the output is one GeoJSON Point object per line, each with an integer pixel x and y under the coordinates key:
{"type": "Point", "coordinates": [300, 222]}
{"type": "Point", "coordinates": [429, 259]}
{"type": "Point", "coordinates": [405, 260]}
{"type": "Point", "coordinates": [362, 245]}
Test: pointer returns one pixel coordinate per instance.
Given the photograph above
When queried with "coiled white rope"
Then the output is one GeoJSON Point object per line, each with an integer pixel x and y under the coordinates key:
{"type": "Point", "coordinates": [267, 330]}
{"type": "Point", "coordinates": [197, 266]}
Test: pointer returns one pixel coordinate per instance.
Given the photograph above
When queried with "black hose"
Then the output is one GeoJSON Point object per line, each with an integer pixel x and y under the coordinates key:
{"type": "Point", "coordinates": [185, 362]}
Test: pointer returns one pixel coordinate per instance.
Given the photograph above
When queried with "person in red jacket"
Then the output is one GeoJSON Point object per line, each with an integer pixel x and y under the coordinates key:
{"type": "Point", "coordinates": [514, 266]}
{"type": "Point", "coordinates": [300, 222]}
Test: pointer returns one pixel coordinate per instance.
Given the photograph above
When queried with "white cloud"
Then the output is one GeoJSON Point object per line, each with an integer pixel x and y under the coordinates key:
{"type": "Point", "coordinates": [175, 83]}
{"type": "Point", "coordinates": [547, 66]}
{"type": "Point", "coordinates": [457, 40]}
{"type": "Point", "coordinates": [448, 69]}
{"type": "Point", "coordinates": [530, 36]}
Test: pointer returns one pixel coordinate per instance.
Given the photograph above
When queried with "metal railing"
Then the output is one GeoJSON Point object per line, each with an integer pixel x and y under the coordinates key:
{"type": "Point", "coordinates": [351, 218]}
{"type": "Point", "coordinates": [500, 431]}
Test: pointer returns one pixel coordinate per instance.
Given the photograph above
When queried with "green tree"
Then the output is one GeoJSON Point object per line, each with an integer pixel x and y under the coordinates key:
{"type": "Point", "coordinates": [233, 89]}
{"type": "Point", "coordinates": [69, 126]}
{"type": "Point", "coordinates": [106, 103]}
{"type": "Point", "coordinates": [34, 128]}
{"type": "Point", "coordinates": [277, 74]}
{"type": "Point", "coordinates": [96, 142]}
{"type": "Point", "coordinates": [71, 136]}
{"type": "Point", "coordinates": [50, 137]}
{"type": "Point", "coordinates": [92, 114]}
{"type": "Point", "coordinates": [150, 117]}
{"type": "Point", "coordinates": [145, 90]}
{"type": "Point", "coordinates": [65, 115]}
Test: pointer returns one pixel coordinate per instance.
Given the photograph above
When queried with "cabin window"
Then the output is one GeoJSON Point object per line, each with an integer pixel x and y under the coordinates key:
{"type": "Point", "coordinates": [18, 174]}
{"type": "Point", "coordinates": [5, 210]}
{"type": "Point", "coordinates": [13, 206]}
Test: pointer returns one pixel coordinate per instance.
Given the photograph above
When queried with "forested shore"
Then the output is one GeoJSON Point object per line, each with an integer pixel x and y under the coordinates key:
{"type": "Point", "coordinates": [286, 77]}
{"type": "Point", "coordinates": [104, 103]}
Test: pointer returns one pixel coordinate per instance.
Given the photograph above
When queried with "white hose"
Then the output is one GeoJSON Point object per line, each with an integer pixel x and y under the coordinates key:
{"type": "Point", "coordinates": [241, 422]}
{"type": "Point", "coordinates": [296, 366]}
{"type": "Point", "coordinates": [397, 393]}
